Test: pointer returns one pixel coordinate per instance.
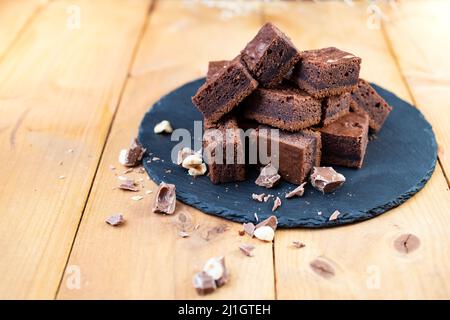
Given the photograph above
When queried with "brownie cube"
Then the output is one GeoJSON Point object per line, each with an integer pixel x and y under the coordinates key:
{"type": "Point", "coordinates": [334, 107]}
{"type": "Point", "coordinates": [269, 56]}
{"type": "Point", "coordinates": [223, 92]}
{"type": "Point", "coordinates": [285, 107]}
{"type": "Point", "coordinates": [327, 72]}
{"type": "Point", "coordinates": [215, 67]}
{"type": "Point", "coordinates": [370, 102]}
{"type": "Point", "coordinates": [223, 148]}
{"type": "Point", "coordinates": [344, 141]}
{"type": "Point", "coordinates": [297, 152]}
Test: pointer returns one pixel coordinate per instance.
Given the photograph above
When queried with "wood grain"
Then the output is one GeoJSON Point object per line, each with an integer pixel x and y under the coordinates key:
{"type": "Point", "coordinates": [418, 40]}
{"type": "Point", "coordinates": [362, 256]}
{"type": "Point", "coordinates": [60, 88]}
{"type": "Point", "coordinates": [146, 258]}
{"type": "Point", "coordinates": [14, 16]}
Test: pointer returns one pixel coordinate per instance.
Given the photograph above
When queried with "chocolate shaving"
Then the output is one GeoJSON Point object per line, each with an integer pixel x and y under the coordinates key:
{"type": "Point", "coordinates": [128, 184]}
{"type": "Point", "coordinates": [322, 268]}
{"type": "Point", "coordinates": [406, 243]}
{"type": "Point", "coordinates": [165, 199]}
{"type": "Point", "coordinates": [249, 228]}
{"type": "Point", "coordinates": [297, 192]}
{"type": "Point", "coordinates": [334, 215]}
{"type": "Point", "coordinates": [204, 283]}
{"type": "Point", "coordinates": [326, 179]}
{"type": "Point", "coordinates": [298, 244]}
{"type": "Point", "coordinates": [276, 204]}
{"type": "Point", "coordinates": [258, 197]}
{"type": "Point", "coordinates": [115, 220]}
{"type": "Point", "coordinates": [271, 221]}
{"type": "Point", "coordinates": [268, 177]}
{"type": "Point", "coordinates": [247, 249]}
{"type": "Point", "coordinates": [133, 156]}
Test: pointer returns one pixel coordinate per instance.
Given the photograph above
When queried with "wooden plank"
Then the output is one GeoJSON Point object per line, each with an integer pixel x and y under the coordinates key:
{"type": "Point", "coordinates": [417, 33]}
{"type": "Point", "coordinates": [60, 88]}
{"type": "Point", "coordinates": [14, 15]}
{"type": "Point", "coordinates": [365, 263]}
{"type": "Point", "coordinates": [146, 258]}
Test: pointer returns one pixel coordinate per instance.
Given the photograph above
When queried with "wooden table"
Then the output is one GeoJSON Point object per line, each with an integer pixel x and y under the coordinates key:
{"type": "Point", "coordinates": [76, 78]}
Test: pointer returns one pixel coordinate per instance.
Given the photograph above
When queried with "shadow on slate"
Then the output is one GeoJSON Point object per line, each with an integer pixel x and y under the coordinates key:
{"type": "Point", "coordinates": [397, 165]}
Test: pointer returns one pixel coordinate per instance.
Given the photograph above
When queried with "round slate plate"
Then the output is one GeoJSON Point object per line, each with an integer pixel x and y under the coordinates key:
{"type": "Point", "coordinates": [398, 163]}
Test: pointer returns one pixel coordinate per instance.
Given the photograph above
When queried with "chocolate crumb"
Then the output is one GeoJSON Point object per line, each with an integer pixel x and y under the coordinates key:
{"type": "Point", "coordinates": [249, 228]}
{"type": "Point", "coordinates": [247, 249]}
{"type": "Point", "coordinates": [326, 179]}
{"type": "Point", "coordinates": [271, 221]}
{"type": "Point", "coordinates": [127, 184]}
{"type": "Point", "coordinates": [165, 199]}
{"type": "Point", "coordinates": [334, 215]}
{"type": "Point", "coordinates": [268, 177]}
{"type": "Point", "coordinates": [407, 243]}
{"type": "Point", "coordinates": [204, 283]}
{"type": "Point", "coordinates": [276, 204]}
{"type": "Point", "coordinates": [322, 268]}
{"type": "Point", "coordinates": [241, 232]}
{"type": "Point", "coordinates": [115, 220]}
{"type": "Point", "coordinates": [298, 244]}
{"type": "Point", "coordinates": [297, 192]}
{"type": "Point", "coordinates": [133, 156]}
{"type": "Point", "coordinates": [258, 197]}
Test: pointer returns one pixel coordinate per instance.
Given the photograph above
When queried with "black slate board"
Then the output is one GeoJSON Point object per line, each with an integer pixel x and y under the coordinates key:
{"type": "Point", "coordinates": [398, 164]}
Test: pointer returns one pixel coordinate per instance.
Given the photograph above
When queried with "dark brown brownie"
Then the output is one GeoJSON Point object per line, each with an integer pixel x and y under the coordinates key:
{"type": "Point", "coordinates": [335, 107]}
{"type": "Point", "coordinates": [298, 152]}
{"type": "Point", "coordinates": [344, 141]}
{"type": "Point", "coordinates": [214, 67]}
{"type": "Point", "coordinates": [370, 102]}
{"type": "Point", "coordinates": [217, 139]}
{"type": "Point", "coordinates": [269, 56]}
{"type": "Point", "coordinates": [223, 92]}
{"type": "Point", "coordinates": [327, 72]}
{"type": "Point", "coordinates": [287, 108]}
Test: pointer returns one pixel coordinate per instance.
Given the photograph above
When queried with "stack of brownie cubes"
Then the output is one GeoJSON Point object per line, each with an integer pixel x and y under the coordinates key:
{"type": "Point", "coordinates": [323, 109]}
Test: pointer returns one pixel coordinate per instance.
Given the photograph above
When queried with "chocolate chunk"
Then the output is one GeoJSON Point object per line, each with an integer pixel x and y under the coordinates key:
{"type": "Point", "coordinates": [268, 177]}
{"type": "Point", "coordinates": [247, 249]}
{"type": "Point", "coordinates": [276, 204]}
{"type": "Point", "coordinates": [115, 220]}
{"type": "Point", "coordinates": [258, 197]}
{"type": "Point", "coordinates": [133, 156]}
{"type": "Point", "coordinates": [165, 199]}
{"type": "Point", "coordinates": [215, 268]}
{"type": "Point", "coordinates": [297, 192]}
{"type": "Point", "coordinates": [271, 221]}
{"type": "Point", "coordinates": [249, 228]}
{"type": "Point", "coordinates": [204, 283]}
{"type": "Point", "coordinates": [326, 179]}
{"type": "Point", "coordinates": [128, 184]}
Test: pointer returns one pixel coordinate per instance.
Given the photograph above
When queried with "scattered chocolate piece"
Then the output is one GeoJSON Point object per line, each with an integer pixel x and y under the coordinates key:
{"type": "Point", "coordinates": [258, 197]}
{"type": "Point", "coordinates": [215, 268]}
{"type": "Point", "coordinates": [204, 283]}
{"type": "Point", "coordinates": [115, 220]}
{"type": "Point", "coordinates": [271, 221]}
{"type": "Point", "coordinates": [322, 268]}
{"type": "Point", "coordinates": [241, 232]}
{"type": "Point", "coordinates": [247, 249]}
{"type": "Point", "coordinates": [276, 204]}
{"type": "Point", "coordinates": [183, 154]}
{"type": "Point", "coordinates": [326, 179]}
{"type": "Point", "coordinates": [249, 228]}
{"type": "Point", "coordinates": [334, 215]}
{"type": "Point", "coordinates": [163, 127]}
{"type": "Point", "coordinates": [133, 156]}
{"type": "Point", "coordinates": [266, 198]}
{"type": "Point", "coordinates": [128, 184]}
{"type": "Point", "coordinates": [264, 233]}
{"type": "Point", "coordinates": [298, 244]}
{"type": "Point", "coordinates": [406, 243]}
{"type": "Point", "coordinates": [268, 177]}
{"type": "Point", "coordinates": [165, 199]}
{"type": "Point", "coordinates": [297, 192]}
